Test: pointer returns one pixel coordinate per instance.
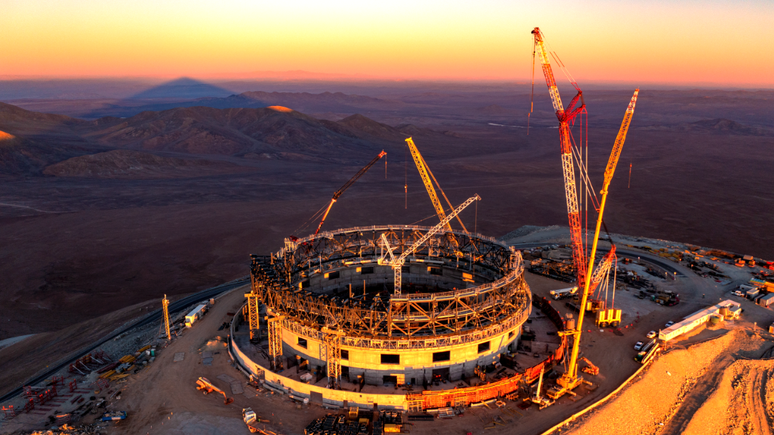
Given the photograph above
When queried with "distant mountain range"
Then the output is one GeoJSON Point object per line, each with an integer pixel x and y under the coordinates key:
{"type": "Point", "coordinates": [33, 141]}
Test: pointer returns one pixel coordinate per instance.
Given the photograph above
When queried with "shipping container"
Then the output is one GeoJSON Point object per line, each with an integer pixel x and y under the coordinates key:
{"type": "Point", "coordinates": [766, 300]}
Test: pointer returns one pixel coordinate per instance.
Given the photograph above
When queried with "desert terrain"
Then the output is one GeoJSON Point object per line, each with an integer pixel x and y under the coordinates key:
{"type": "Point", "coordinates": [113, 199]}
{"type": "Point", "coordinates": [106, 212]}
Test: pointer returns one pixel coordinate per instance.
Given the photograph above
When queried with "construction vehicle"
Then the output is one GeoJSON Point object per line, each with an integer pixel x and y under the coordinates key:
{"type": "Point", "coordinates": [563, 293]}
{"type": "Point", "coordinates": [668, 299]}
{"type": "Point", "coordinates": [114, 416]}
{"type": "Point", "coordinates": [538, 398]}
{"type": "Point", "coordinates": [195, 314]}
{"type": "Point", "coordinates": [570, 379]}
{"type": "Point", "coordinates": [589, 367]}
{"type": "Point", "coordinates": [206, 387]}
{"type": "Point", "coordinates": [251, 419]}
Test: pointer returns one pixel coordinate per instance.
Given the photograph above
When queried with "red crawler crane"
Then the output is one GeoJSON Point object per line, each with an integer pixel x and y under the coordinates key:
{"type": "Point", "coordinates": [566, 116]}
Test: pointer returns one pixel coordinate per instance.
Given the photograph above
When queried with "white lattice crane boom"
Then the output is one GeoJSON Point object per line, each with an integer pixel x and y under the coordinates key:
{"type": "Point", "coordinates": [397, 262]}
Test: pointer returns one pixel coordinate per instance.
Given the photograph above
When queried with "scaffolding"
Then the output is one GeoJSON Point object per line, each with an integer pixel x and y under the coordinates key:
{"type": "Point", "coordinates": [279, 282]}
{"type": "Point", "coordinates": [274, 326]}
{"type": "Point", "coordinates": [165, 304]}
{"type": "Point", "coordinates": [332, 356]}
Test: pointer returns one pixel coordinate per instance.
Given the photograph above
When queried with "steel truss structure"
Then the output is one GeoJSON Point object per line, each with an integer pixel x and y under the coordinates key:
{"type": "Point", "coordinates": [273, 324]}
{"type": "Point", "coordinates": [394, 321]}
{"type": "Point", "coordinates": [253, 315]}
{"type": "Point", "coordinates": [332, 356]}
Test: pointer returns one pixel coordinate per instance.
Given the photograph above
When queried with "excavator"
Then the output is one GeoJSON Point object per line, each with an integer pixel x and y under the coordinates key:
{"type": "Point", "coordinates": [589, 367]}
{"type": "Point", "coordinates": [206, 387]}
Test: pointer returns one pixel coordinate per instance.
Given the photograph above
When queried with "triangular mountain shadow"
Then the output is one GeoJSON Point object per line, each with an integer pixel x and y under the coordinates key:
{"type": "Point", "coordinates": [183, 87]}
{"type": "Point", "coordinates": [176, 93]}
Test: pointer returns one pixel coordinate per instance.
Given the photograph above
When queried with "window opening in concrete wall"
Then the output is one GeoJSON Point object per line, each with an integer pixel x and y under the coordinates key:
{"type": "Point", "coordinates": [441, 356]}
{"type": "Point", "coordinates": [302, 342]}
{"type": "Point", "coordinates": [332, 275]}
{"type": "Point", "coordinates": [483, 347]}
{"type": "Point", "coordinates": [390, 358]}
{"type": "Point", "coordinates": [344, 354]}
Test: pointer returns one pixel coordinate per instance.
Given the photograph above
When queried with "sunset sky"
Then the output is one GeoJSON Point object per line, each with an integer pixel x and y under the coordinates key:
{"type": "Point", "coordinates": [707, 42]}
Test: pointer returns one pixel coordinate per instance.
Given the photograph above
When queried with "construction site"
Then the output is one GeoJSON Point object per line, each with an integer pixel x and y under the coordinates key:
{"type": "Point", "coordinates": [436, 329]}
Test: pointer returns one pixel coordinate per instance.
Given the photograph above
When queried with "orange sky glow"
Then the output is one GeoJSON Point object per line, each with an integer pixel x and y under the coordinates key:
{"type": "Point", "coordinates": [707, 42]}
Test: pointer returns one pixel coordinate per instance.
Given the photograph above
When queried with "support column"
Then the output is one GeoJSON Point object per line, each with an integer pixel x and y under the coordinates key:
{"type": "Point", "coordinates": [274, 324]}
{"type": "Point", "coordinates": [332, 349]}
{"type": "Point", "coordinates": [252, 315]}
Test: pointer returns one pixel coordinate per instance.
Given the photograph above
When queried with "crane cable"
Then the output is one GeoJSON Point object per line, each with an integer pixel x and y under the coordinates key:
{"type": "Point", "coordinates": [532, 93]}
{"type": "Point", "coordinates": [313, 218]}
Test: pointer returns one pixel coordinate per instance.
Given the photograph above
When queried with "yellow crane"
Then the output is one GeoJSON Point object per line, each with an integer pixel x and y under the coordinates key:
{"type": "Point", "coordinates": [570, 379]}
{"type": "Point", "coordinates": [427, 179]}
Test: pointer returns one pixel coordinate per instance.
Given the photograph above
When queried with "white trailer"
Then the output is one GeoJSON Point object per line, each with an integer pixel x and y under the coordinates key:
{"type": "Point", "coordinates": [195, 315]}
{"type": "Point", "coordinates": [725, 309]}
{"type": "Point", "coordinates": [563, 293]}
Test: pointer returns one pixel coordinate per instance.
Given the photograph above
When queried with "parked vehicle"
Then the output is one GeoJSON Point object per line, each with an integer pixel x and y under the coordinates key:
{"type": "Point", "coordinates": [114, 416]}
{"type": "Point", "coordinates": [651, 334]}
{"type": "Point", "coordinates": [563, 293]}
{"type": "Point", "coordinates": [638, 345]}
{"type": "Point", "coordinates": [669, 323]}
{"type": "Point", "coordinates": [251, 419]}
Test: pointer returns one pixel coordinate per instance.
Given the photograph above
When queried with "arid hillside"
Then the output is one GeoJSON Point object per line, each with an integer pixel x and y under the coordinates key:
{"type": "Point", "coordinates": [103, 213]}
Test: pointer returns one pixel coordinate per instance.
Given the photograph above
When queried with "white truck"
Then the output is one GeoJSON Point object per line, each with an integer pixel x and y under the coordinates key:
{"type": "Point", "coordinates": [251, 419]}
{"type": "Point", "coordinates": [563, 293]}
{"type": "Point", "coordinates": [196, 314]}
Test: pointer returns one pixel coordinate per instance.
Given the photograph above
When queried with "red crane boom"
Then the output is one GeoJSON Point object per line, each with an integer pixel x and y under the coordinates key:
{"type": "Point", "coordinates": [346, 185]}
{"type": "Point", "coordinates": [565, 116]}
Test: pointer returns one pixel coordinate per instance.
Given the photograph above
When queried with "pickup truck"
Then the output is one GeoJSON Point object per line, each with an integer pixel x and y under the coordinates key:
{"type": "Point", "coordinates": [251, 420]}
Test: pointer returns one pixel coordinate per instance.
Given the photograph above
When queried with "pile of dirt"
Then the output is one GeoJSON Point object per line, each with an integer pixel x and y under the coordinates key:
{"type": "Point", "coordinates": [742, 403]}
{"type": "Point", "coordinates": [136, 165]}
{"type": "Point", "coordinates": [665, 397]}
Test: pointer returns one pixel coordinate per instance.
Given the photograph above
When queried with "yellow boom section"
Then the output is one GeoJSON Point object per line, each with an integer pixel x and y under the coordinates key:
{"type": "Point", "coordinates": [423, 172]}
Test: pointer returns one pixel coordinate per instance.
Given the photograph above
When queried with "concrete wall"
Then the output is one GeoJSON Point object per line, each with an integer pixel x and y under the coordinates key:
{"type": "Point", "coordinates": [414, 364]}
{"type": "Point", "coordinates": [300, 389]}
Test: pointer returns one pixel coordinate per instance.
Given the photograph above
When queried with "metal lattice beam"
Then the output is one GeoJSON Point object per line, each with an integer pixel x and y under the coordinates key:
{"type": "Point", "coordinates": [332, 356]}
{"type": "Point", "coordinates": [165, 305]}
{"type": "Point", "coordinates": [275, 340]}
